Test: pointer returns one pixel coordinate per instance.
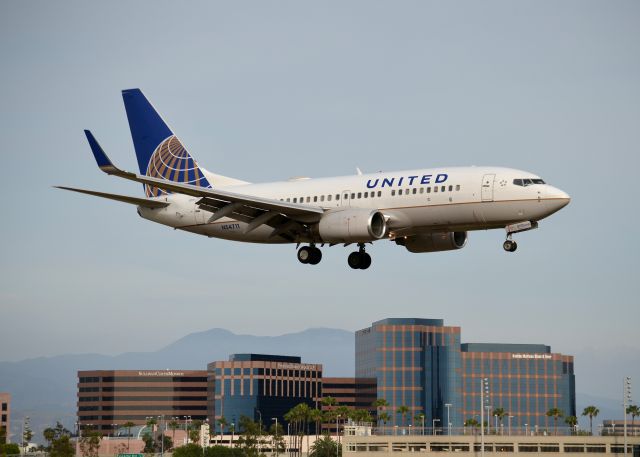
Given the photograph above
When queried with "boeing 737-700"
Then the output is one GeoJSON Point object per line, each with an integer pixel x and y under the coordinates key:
{"type": "Point", "coordinates": [424, 210]}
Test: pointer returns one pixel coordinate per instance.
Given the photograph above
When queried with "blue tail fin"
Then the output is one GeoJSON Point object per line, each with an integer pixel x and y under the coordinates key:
{"type": "Point", "coordinates": [160, 153]}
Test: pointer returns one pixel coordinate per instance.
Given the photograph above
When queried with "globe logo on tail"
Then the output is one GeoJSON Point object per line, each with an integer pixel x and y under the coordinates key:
{"type": "Point", "coordinates": [171, 161]}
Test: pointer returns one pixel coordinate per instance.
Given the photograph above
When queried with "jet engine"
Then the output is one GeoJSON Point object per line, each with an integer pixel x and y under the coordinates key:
{"type": "Point", "coordinates": [353, 225]}
{"type": "Point", "coordinates": [433, 242]}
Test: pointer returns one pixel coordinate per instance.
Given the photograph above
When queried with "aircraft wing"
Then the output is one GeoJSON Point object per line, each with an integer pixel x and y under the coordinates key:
{"type": "Point", "coordinates": [283, 216]}
{"type": "Point", "coordinates": [144, 202]}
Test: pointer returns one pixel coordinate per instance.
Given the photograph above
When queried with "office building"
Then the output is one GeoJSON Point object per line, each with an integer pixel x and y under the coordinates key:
{"type": "Point", "coordinates": [260, 387]}
{"type": "Point", "coordinates": [109, 398]}
{"type": "Point", "coordinates": [422, 365]}
{"type": "Point", "coordinates": [5, 413]}
{"type": "Point", "coordinates": [354, 393]}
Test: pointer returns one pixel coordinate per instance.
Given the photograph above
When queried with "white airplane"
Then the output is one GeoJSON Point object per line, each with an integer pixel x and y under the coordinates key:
{"type": "Point", "coordinates": [424, 210]}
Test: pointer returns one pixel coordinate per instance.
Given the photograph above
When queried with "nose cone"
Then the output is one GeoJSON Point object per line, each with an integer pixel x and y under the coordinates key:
{"type": "Point", "coordinates": [557, 198]}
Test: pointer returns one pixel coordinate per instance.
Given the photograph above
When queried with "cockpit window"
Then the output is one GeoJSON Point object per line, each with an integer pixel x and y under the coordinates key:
{"type": "Point", "coordinates": [527, 181]}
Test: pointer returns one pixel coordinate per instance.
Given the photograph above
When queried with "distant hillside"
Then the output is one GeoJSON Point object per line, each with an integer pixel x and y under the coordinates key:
{"type": "Point", "coordinates": [45, 388]}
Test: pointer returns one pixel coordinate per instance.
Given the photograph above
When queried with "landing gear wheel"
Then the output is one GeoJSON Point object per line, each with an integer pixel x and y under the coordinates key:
{"type": "Point", "coordinates": [365, 260]}
{"type": "Point", "coordinates": [354, 260]}
{"type": "Point", "coordinates": [510, 245]}
{"type": "Point", "coordinates": [316, 256]}
{"type": "Point", "coordinates": [305, 254]}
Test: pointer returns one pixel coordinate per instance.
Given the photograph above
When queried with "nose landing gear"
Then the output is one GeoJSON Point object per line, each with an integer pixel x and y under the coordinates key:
{"type": "Point", "coordinates": [309, 254]}
{"type": "Point", "coordinates": [509, 245]}
{"type": "Point", "coordinates": [359, 260]}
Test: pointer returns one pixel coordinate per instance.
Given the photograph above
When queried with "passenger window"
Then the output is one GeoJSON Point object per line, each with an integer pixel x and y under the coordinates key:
{"type": "Point", "coordinates": [329, 197]}
{"type": "Point", "coordinates": [366, 194]}
{"type": "Point", "coordinates": [450, 188]}
{"type": "Point", "coordinates": [337, 196]}
{"type": "Point", "coordinates": [379, 193]}
{"type": "Point", "coordinates": [415, 191]}
{"type": "Point", "coordinates": [407, 192]}
{"type": "Point", "coordinates": [321, 198]}
{"type": "Point", "coordinates": [315, 198]}
{"type": "Point", "coordinates": [295, 200]}
{"type": "Point", "coordinates": [429, 189]}
{"type": "Point", "coordinates": [399, 191]}
{"type": "Point", "coordinates": [353, 195]}
{"type": "Point", "coordinates": [308, 199]}
{"type": "Point", "coordinates": [393, 192]}
{"type": "Point", "coordinates": [435, 188]}
{"type": "Point", "coordinates": [359, 194]}
{"type": "Point", "coordinates": [458, 187]}
{"type": "Point", "coordinates": [422, 190]}
{"type": "Point", "coordinates": [443, 188]}
{"type": "Point", "coordinates": [346, 197]}
{"type": "Point", "coordinates": [288, 199]}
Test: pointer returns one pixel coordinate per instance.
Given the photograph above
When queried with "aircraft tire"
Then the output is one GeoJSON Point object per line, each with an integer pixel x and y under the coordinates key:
{"type": "Point", "coordinates": [316, 256]}
{"type": "Point", "coordinates": [305, 254]}
{"type": "Point", "coordinates": [354, 260]}
{"type": "Point", "coordinates": [510, 245]}
{"type": "Point", "coordinates": [365, 260]}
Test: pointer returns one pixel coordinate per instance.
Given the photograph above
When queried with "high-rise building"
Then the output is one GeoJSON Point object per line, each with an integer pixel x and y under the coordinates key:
{"type": "Point", "coordinates": [109, 398]}
{"type": "Point", "coordinates": [260, 387]}
{"type": "Point", "coordinates": [354, 393]}
{"type": "Point", "coordinates": [5, 413]}
{"type": "Point", "coordinates": [421, 364]}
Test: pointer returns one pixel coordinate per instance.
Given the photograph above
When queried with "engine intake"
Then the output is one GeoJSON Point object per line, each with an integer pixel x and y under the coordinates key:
{"type": "Point", "coordinates": [434, 242]}
{"type": "Point", "coordinates": [352, 225]}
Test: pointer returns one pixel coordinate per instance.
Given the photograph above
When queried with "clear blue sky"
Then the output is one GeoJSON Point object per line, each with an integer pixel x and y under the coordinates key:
{"type": "Point", "coordinates": [267, 90]}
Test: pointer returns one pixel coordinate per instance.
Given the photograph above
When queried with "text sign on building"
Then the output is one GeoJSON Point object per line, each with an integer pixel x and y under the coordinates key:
{"type": "Point", "coordinates": [160, 373]}
{"type": "Point", "coordinates": [296, 366]}
{"type": "Point", "coordinates": [530, 356]}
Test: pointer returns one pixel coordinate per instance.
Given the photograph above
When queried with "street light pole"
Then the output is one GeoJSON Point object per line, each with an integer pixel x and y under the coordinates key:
{"type": "Point", "coordinates": [448, 406]}
{"type": "Point", "coordinates": [484, 392]}
{"type": "Point", "coordinates": [626, 399]}
{"type": "Point", "coordinates": [510, 417]}
{"type": "Point", "coordinates": [337, 435]}
{"type": "Point", "coordinates": [433, 425]}
{"type": "Point", "coordinates": [276, 434]}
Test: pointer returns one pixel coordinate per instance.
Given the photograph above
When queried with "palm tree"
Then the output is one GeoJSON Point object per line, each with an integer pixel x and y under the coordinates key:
{"type": "Point", "coordinates": [315, 416]}
{"type": "Point", "coordinates": [173, 425]}
{"type": "Point", "coordinates": [128, 426]}
{"type": "Point", "coordinates": [555, 413]}
{"type": "Point", "coordinates": [499, 413]}
{"type": "Point", "coordinates": [329, 401]}
{"type": "Point", "coordinates": [571, 421]}
{"type": "Point", "coordinates": [420, 419]}
{"type": "Point", "coordinates": [634, 410]}
{"type": "Point", "coordinates": [379, 404]}
{"type": "Point", "coordinates": [222, 422]}
{"type": "Point", "coordinates": [471, 422]}
{"type": "Point", "coordinates": [592, 412]}
{"type": "Point", "coordinates": [384, 418]}
{"type": "Point", "coordinates": [403, 410]}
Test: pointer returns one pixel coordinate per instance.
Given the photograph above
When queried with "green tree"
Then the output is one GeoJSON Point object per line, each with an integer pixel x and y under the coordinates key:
{"type": "Point", "coordinates": [592, 412]}
{"type": "Point", "coordinates": [419, 419]}
{"type": "Point", "coordinates": [173, 425]}
{"type": "Point", "coordinates": [500, 414]}
{"type": "Point", "coordinates": [27, 433]}
{"type": "Point", "coordinates": [473, 423]}
{"type": "Point", "coordinates": [329, 401]}
{"type": "Point", "coordinates": [222, 422]}
{"type": "Point", "coordinates": [9, 449]}
{"type": "Point", "coordinates": [316, 416]}
{"type": "Point", "coordinates": [222, 451]}
{"type": "Point", "coordinates": [188, 450]}
{"type": "Point", "coordinates": [277, 440]}
{"type": "Point", "coordinates": [384, 418]}
{"type": "Point", "coordinates": [194, 431]}
{"type": "Point", "coordinates": [90, 442]}
{"type": "Point", "coordinates": [555, 413]}
{"type": "Point", "coordinates": [59, 441]}
{"type": "Point", "coordinates": [128, 426]}
{"type": "Point", "coordinates": [634, 410]}
{"type": "Point", "coordinates": [325, 447]}
{"type": "Point", "coordinates": [403, 410]}
{"type": "Point", "coordinates": [571, 421]}
{"type": "Point", "coordinates": [249, 439]}
{"type": "Point", "coordinates": [380, 404]}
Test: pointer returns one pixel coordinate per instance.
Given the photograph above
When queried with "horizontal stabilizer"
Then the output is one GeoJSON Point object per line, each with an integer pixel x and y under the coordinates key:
{"type": "Point", "coordinates": [146, 203]}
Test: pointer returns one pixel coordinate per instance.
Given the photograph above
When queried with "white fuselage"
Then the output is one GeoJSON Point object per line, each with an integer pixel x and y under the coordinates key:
{"type": "Point", "coordinates": [412, 201]}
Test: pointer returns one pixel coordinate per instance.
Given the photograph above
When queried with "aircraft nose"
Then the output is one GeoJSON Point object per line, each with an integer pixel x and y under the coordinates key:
{"type": "Point", "coordinates": [559, 197]}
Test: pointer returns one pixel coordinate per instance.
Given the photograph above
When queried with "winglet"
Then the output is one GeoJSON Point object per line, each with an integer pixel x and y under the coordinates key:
{"type": "Point", "coordinates": [103, 161]}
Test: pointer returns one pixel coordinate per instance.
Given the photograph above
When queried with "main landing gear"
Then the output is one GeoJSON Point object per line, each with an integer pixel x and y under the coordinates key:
{"type": "Point", "coordinates": [359, 260]}
{"type": "Point", "coordinates": [509, 245]}
{"type": "Point", "coordinates": [310, 254]}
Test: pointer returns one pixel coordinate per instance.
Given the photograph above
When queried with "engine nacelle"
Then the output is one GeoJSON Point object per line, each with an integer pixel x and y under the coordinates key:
{"type": "Point", "coordinates": [352, 225]}
{"type": "Point", "coordinates": [434, 242]}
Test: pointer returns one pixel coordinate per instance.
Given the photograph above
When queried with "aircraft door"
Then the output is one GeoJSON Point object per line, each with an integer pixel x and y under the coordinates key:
{"type": "Point", "coordinates": [345, 199]}
{"type": "Point", "coordinates": [487, 187]}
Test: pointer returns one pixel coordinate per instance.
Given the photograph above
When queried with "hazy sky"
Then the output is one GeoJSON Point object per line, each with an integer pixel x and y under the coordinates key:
{"type": "Point", "coordinates": [268, 90]}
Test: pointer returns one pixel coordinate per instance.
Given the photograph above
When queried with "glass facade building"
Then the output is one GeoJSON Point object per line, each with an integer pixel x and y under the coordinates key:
{"type": "Point", "coordinates": [422, 364]}
{"type": "Point", "coordinates": [260, 387]}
